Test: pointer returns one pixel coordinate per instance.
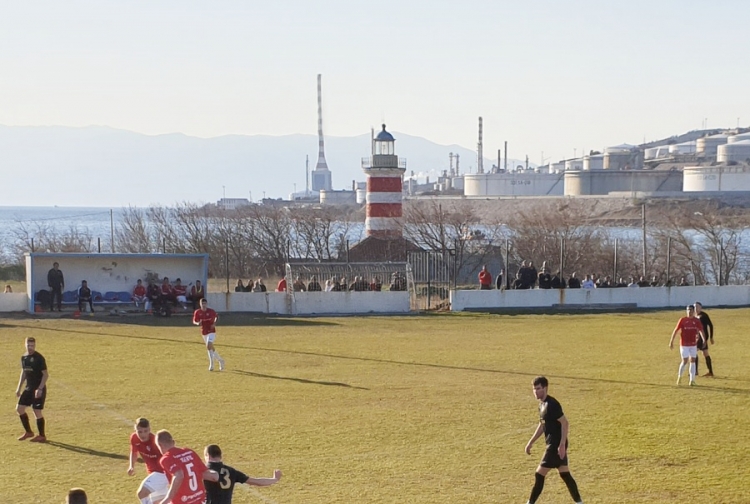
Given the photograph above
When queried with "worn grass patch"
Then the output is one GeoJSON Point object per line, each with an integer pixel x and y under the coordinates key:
{"type": "Point", "coordinates": [421, 409]}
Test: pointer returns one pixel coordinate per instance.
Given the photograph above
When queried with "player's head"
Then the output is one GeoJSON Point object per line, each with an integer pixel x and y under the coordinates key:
{"type": "Point", "coordinates": [690, 309]}
{"type": "Point", "coordinates": [30, 345]}
{"type": "Point", "coordinates": [140, 282]}
{"type": "Point", "coordinates": [212, 453]}
{"type": "Point", "coordinates": [540, 387]}
{"type": "Point", "coordinates": [55, 265]}
{"type": "Point", "coordinates": [143, 428]}
{"type": "Point", "coordinates": [204, 303]}
{"type": "Point", "coordinates": [164, 441]}
{"type": "Point", "coordinates": [698, 307]}
{"type": "Point", "coordinates": [77, 496]}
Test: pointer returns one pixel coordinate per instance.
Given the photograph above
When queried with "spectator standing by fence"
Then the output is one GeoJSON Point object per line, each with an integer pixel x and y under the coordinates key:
{"type": "Point", "coordinates": [56, 282]}
{"type": "Point", "coordinates": [485, 279]}
{"type": "Point", "coordinates": [574, 282]}
{"type": "Point", "coordinates": [500, 281]}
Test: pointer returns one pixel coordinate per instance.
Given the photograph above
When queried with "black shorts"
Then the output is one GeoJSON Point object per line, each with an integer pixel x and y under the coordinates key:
{"type": "Point", "coordinates": [701, 345]}
{"type": "Point", "coordinates": [27, 399]}
{"type": "Point", "coordinates": [551, 459]}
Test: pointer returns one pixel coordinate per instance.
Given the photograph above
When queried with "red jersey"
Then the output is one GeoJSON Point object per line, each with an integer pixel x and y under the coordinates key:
{"type": "Point", "coordinates": [689, 327]}
{"type": "Point", "coordinates": [282, 285]}
{"type": "Point", "coordinates": [166, 289]}
{"type": "Point", "coordinates": [206, 319]}
{"type": "Point", "coordinates": [485, 278]}
{"type": "Point", "coordinates": [148, 450]}
{"type": "Point", "coordinates": [140, 290]}
{"type": "Point", "coordinates": [180, 290]}
{"type": "Point", "coordinates": [192, 490]}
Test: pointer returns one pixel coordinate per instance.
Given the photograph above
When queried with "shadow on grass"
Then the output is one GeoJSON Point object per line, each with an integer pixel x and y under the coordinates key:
{"type": "Point", "coordinates": [86, 451]}
{"type": "Point", "coordinates": [298, 380]}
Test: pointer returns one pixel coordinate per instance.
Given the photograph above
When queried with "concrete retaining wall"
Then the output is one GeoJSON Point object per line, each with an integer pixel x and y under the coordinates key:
{"type": "Point", "coordinates": [310, 303]}
{"type": "Point", "coordinates": [14, 302]}
{"type": "Point", "coordinates": [646, 297]}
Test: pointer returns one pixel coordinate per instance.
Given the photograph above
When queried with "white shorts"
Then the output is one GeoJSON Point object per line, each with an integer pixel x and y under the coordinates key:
{"type": "Point", "coordinates": [688, 351]}
{"type": "Point", "coordinates": [158, 484]}
{"type": "Point", "coordinates": [182, 299]}
{"type": "Point", "coordinates": [209, 338]}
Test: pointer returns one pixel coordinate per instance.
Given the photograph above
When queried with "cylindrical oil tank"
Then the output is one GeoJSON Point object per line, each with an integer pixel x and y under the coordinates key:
{"type": "Point", "coordinates": [361, 196]}
{"type": "Point", "coordinates": [338, 197]}
{"type": "Point", "coordinates": [736, 151]}
{"type": "Point", "coordinates": [682, 148]}
{"type": "Point", "coordinates": [594, 162]}
{"type": "Point", "coordinates": [709, 145]}
{"type": "Point", "coordinates": [618, 160]}
{"type": "Point", "coordinates": [716, 178]}
{"type": "Point", "coordinates": [738, 138]}
{"type": "Point", "coordinates": [558, 167]}
{"type": "Point", "coordinates": [574, 164]}
{"type": "Point", "coordinates": [458, 183]}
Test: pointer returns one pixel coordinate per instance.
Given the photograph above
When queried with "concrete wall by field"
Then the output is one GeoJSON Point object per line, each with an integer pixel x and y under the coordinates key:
{"type": "Point", "coordinates": [646, 297]}
{"type": "Point", "coordinates": [310, 303]}
{"type": "Point", "coordinates": [13, 302]}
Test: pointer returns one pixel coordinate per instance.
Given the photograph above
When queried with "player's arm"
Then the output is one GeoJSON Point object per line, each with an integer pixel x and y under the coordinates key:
{"type": "Point", "coordinates": [563, 436]}
{"type": "Point", "coordinates": [709, 328]}
{"type": "Point", "coordinates": [42, 384]}
{"type": "Point", "coordinates": [177, 478]}
{"type": "Point", "coordinates": [210, 475]}
{"type": "Point", "coordinates": [674, 333]}
{"type": "Point", "coordinates": [133, 459]}
{"type": "Point", "coordinates": [264, 481]}
{"type": "Point", "coordinates": [538, 432]}
{"type": "Point", "coordinates": [20, 382]}
{"type": "Point", "coordinates": [196, 321]}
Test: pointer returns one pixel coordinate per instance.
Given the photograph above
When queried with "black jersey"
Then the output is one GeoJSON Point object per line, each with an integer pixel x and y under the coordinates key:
{"type": "Point", "coordinates": [708, 327]}
{"type": "Point", "coordinates": [550, 411]}
{"type": "Point", "coordinates": [33, 365]}
{"type": "Point", "coordinates": [220, 492]}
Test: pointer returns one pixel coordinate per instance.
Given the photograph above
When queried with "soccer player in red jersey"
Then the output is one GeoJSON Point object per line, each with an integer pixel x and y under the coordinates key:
{"type": "Point", "coordinates": [142, 442]}
{"type": "Point", "coordinates": [139, 294]}
{"type": "Point", "coordinates": [206, 318]}
{"type": "Point", "coordinates": [186, 471]}
{"type": "Point", "coordinates": [690, 328]}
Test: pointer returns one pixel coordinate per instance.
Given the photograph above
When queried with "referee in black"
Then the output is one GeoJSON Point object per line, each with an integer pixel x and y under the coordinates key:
{"type": "Point", "coordinates": [708, 331]}
{"type": "Point", "coordinates": [554, 426]}
{"type": "Point", "coordinates": [34, 373]}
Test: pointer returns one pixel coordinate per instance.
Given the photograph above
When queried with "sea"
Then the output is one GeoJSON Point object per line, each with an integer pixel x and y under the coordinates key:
{"type": "Point", "coordinates": [95, 220]}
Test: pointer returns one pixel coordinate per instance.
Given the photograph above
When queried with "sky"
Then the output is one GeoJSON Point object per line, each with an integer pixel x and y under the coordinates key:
{"type": "Point", "coordinates": [554, 78]}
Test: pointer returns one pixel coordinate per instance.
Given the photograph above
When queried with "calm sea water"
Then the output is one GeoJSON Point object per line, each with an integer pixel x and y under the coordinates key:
{"type": "Point", "coordinates": [95, 221]}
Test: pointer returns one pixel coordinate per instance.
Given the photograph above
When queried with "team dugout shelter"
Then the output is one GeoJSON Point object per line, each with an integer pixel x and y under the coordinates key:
{"type": "Point", "coordinates": [111, 277]}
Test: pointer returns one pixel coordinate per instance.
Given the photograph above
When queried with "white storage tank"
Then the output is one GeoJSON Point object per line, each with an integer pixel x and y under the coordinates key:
{"type": "Point", "coordinates": [558, 167]}
{"type": "Point", "coordinates": [709, 145]}
{"type": "Point", "coordinates": [738, 138]}
{"type": "Point", "coordinates": [682, 148]}
{"type": "Point", "coordinates": [618, 160]}
{"type": "Point", "coordinates": [574, 164]}
{"type": "Point", "coordinates": [458, 183]}
{"type": "Point", "coordinates": [361, 196]}
{"type": "Point", "coordinates": [338, 197]}
{"type": "Point", "coordinates": [736, 151]}
{"type": "Point", "coordinates": [595, 162]}
{"type": "Point", "coordinates": [716, 178]}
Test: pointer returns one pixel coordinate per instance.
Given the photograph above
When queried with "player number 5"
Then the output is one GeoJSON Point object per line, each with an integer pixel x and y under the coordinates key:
{"type": "Point", "coordinates": [193, 483]}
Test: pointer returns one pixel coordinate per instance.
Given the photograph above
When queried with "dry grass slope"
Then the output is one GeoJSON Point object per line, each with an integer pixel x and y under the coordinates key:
{"type": "Point", "coordinates": [386, 410]}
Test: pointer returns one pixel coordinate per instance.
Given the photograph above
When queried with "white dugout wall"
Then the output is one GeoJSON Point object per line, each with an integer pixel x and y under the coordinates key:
{"type": "Point", "coordinates": [112, 272]}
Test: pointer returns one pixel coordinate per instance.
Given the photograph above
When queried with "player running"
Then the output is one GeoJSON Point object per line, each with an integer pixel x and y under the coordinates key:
{"type": "Point", "coordinates": [220, 492]}
{"type": "Point", "coordinates": [186, 471]}
{"type": "Point", "coordinates": [155, 485]}
{"type": "Point", "coordinates": [206, 318]}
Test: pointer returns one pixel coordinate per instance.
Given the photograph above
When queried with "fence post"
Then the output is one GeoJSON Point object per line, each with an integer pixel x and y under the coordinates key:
{"type": "Point", "coordinates": [643, 222]}
{"type": "Point", "coordinates": [429, 277]}
{"type": "Point", "coordinates": [614, 264]}
{"type": "Point", "coordinates": [99, 244]}
{"type": "Point", "coordinates": [226, 261]}
{"type": "Point", "coordinates": [507, 264]}
{"type": "Point", "coordinates": [32, 245]}
{"type": "Point", "coordinates": [669, 259]}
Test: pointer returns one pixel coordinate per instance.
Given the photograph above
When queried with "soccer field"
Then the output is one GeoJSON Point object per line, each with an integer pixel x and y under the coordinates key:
{"type": "Point", "coordinates": [420, 409]}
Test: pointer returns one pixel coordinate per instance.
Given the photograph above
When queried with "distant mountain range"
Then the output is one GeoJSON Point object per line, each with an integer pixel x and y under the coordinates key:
{"type": "Point", "coordinates": [102, 166]}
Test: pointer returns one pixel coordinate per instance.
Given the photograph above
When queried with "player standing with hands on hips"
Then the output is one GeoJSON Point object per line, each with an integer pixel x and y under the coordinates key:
{"type": "Point", "coordinates": [206, 318]}
{"type": "Point", "coordinates": [554, 426]}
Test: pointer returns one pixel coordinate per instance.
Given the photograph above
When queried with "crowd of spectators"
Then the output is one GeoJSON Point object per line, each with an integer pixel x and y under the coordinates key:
{"type": "Point", "coordinates": [356, 283]}
{"type": "Point", "coordinates": [528, 277]}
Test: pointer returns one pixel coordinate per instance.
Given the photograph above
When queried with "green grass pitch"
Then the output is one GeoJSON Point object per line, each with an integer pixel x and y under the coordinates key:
{"type": "Point", "coordinates": [419, 409]}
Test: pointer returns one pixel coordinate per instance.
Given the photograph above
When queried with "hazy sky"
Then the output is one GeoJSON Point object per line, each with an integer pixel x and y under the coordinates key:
{"type": "Point", "coordinates": [549, 76]}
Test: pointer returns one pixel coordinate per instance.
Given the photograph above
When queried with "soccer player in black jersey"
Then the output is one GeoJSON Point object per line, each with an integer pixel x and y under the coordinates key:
{"type": "Point", "coordinates": [708, 332]}
{"type": "Point", "coordinates": [220, 492]}
{"type": "Point", "coordinates": [34, 373]}
{"type": "Point", "coordinates": [554, 426]}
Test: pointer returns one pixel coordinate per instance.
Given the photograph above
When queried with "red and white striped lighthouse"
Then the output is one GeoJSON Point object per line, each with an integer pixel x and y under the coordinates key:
{"type": "Point", "coordinates": [384, 173]}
